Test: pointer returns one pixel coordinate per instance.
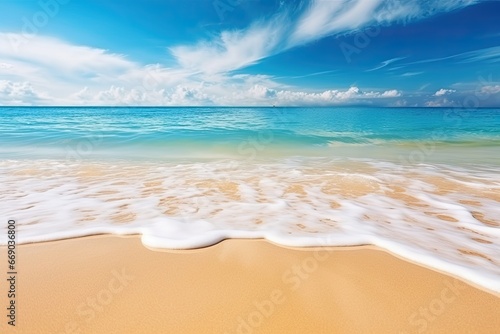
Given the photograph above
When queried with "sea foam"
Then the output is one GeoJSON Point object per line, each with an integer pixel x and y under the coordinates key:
{"type": "Point", "coordinates": [441, 216]}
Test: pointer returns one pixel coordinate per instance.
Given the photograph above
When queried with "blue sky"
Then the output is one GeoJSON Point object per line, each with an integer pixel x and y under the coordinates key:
{"type": "Point", "coordinates": [250, 52]}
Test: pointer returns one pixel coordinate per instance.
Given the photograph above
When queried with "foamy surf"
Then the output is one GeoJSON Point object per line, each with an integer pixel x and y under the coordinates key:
{"type": "Point", "coordinates": [442, 216]}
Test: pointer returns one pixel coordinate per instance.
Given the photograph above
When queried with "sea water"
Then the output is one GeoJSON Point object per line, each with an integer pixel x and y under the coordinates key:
{"type": "Point", "coordinates": [421, 183]}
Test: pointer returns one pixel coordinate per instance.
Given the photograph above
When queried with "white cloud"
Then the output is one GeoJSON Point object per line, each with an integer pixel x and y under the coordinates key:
{"type": "Point", "coordinates": [313, 74]}
{"type": "Point", "coordinates": [352, 95]}
{"type": "Point", "coordinates": [385, 63]}
{"type": "Point", "coordinates": [491, 90]}
{"type": "Point", "coordinates": [441, 103]}
{"type": "Point", "coordinates": [489, 55]}
{"type": "Point", "coordinates": [236, 49]}
{"type": "Point", "coordinates": [443, 92]}
{"type": "Point", "coordinates": [391, 93]}
{"type": "Point", "coordinates": [230, 50]}
{"type": "Point", "coordinates": [486, 55]}
{"type": "Point", "coordinates": [411, 74]}
{"type": "Point", "coordinates": [230, 94]}
{"type": "Point", "coordinates": [19, 93]}
{"type": "Point", "coordinates": [326, 17]}
{"type": "Point", "coordinates": [58, 67]}
{"type": "Point", "coordinates": [399, 103]}
{"type": "Point", "coordinates": [53, 72]}
{"type": "Point", "coordinates": [115, 80]}
{"type": "Point", "coordinates": [484, 93]}
{"type": "Point", "coordinates": [50, 52]}
{"type": "Point", "coordinates": [62, 70]}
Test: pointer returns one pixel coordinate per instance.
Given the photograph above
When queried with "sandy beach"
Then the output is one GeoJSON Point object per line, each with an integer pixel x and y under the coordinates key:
{"type": "Point", "coordinates": [245, 167]}
{"type": "Point", "coordinates": [109, 284]}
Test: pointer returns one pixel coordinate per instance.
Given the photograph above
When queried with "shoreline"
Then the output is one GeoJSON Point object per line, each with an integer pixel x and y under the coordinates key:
{"type": "Point", "coordinates": [293, 248]}
{"type": "Point", "coordinates": [112, 284]}
{"type": "Point", "coordinates": [439, 218]}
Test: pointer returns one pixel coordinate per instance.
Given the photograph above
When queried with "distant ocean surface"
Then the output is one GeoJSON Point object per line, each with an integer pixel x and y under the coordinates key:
{"type": "Point", "coordinates": [422, 183]}
{"type": "Point", "coordinates": [249, 133]}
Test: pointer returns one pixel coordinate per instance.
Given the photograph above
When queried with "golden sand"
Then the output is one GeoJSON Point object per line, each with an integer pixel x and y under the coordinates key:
{"type": "Point", "coordinates": [116, 285]}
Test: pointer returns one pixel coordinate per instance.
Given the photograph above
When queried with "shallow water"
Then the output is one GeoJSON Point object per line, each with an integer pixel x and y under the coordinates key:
{"type": "Point", "coordinates": [185, 178]}
{"type": "Point", "coordinates": [412, 135]}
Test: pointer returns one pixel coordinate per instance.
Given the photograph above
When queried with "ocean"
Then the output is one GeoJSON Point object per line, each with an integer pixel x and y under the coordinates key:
{"type": "Point", "coordinates": [421, 183]}
{"type": "Point", "coordinates": [164, 134]}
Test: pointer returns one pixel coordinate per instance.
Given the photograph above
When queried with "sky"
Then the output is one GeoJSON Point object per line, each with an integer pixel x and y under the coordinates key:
{"type": "Point", "coordinates": [432, 53]}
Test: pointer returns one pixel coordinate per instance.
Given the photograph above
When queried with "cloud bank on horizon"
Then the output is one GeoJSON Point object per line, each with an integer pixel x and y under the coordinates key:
{"type": "Point", "coordinates": [251, 52]}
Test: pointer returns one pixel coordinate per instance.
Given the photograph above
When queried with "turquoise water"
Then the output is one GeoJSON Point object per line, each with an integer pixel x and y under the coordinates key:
{"type": "Point", "coordinates": [250, 133]}
{"type": "Point", "coordinates": [421, 183]}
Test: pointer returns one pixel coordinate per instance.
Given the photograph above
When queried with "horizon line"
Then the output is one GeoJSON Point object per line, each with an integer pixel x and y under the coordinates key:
{"type": "Point", "coordinates": [266, 106]}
